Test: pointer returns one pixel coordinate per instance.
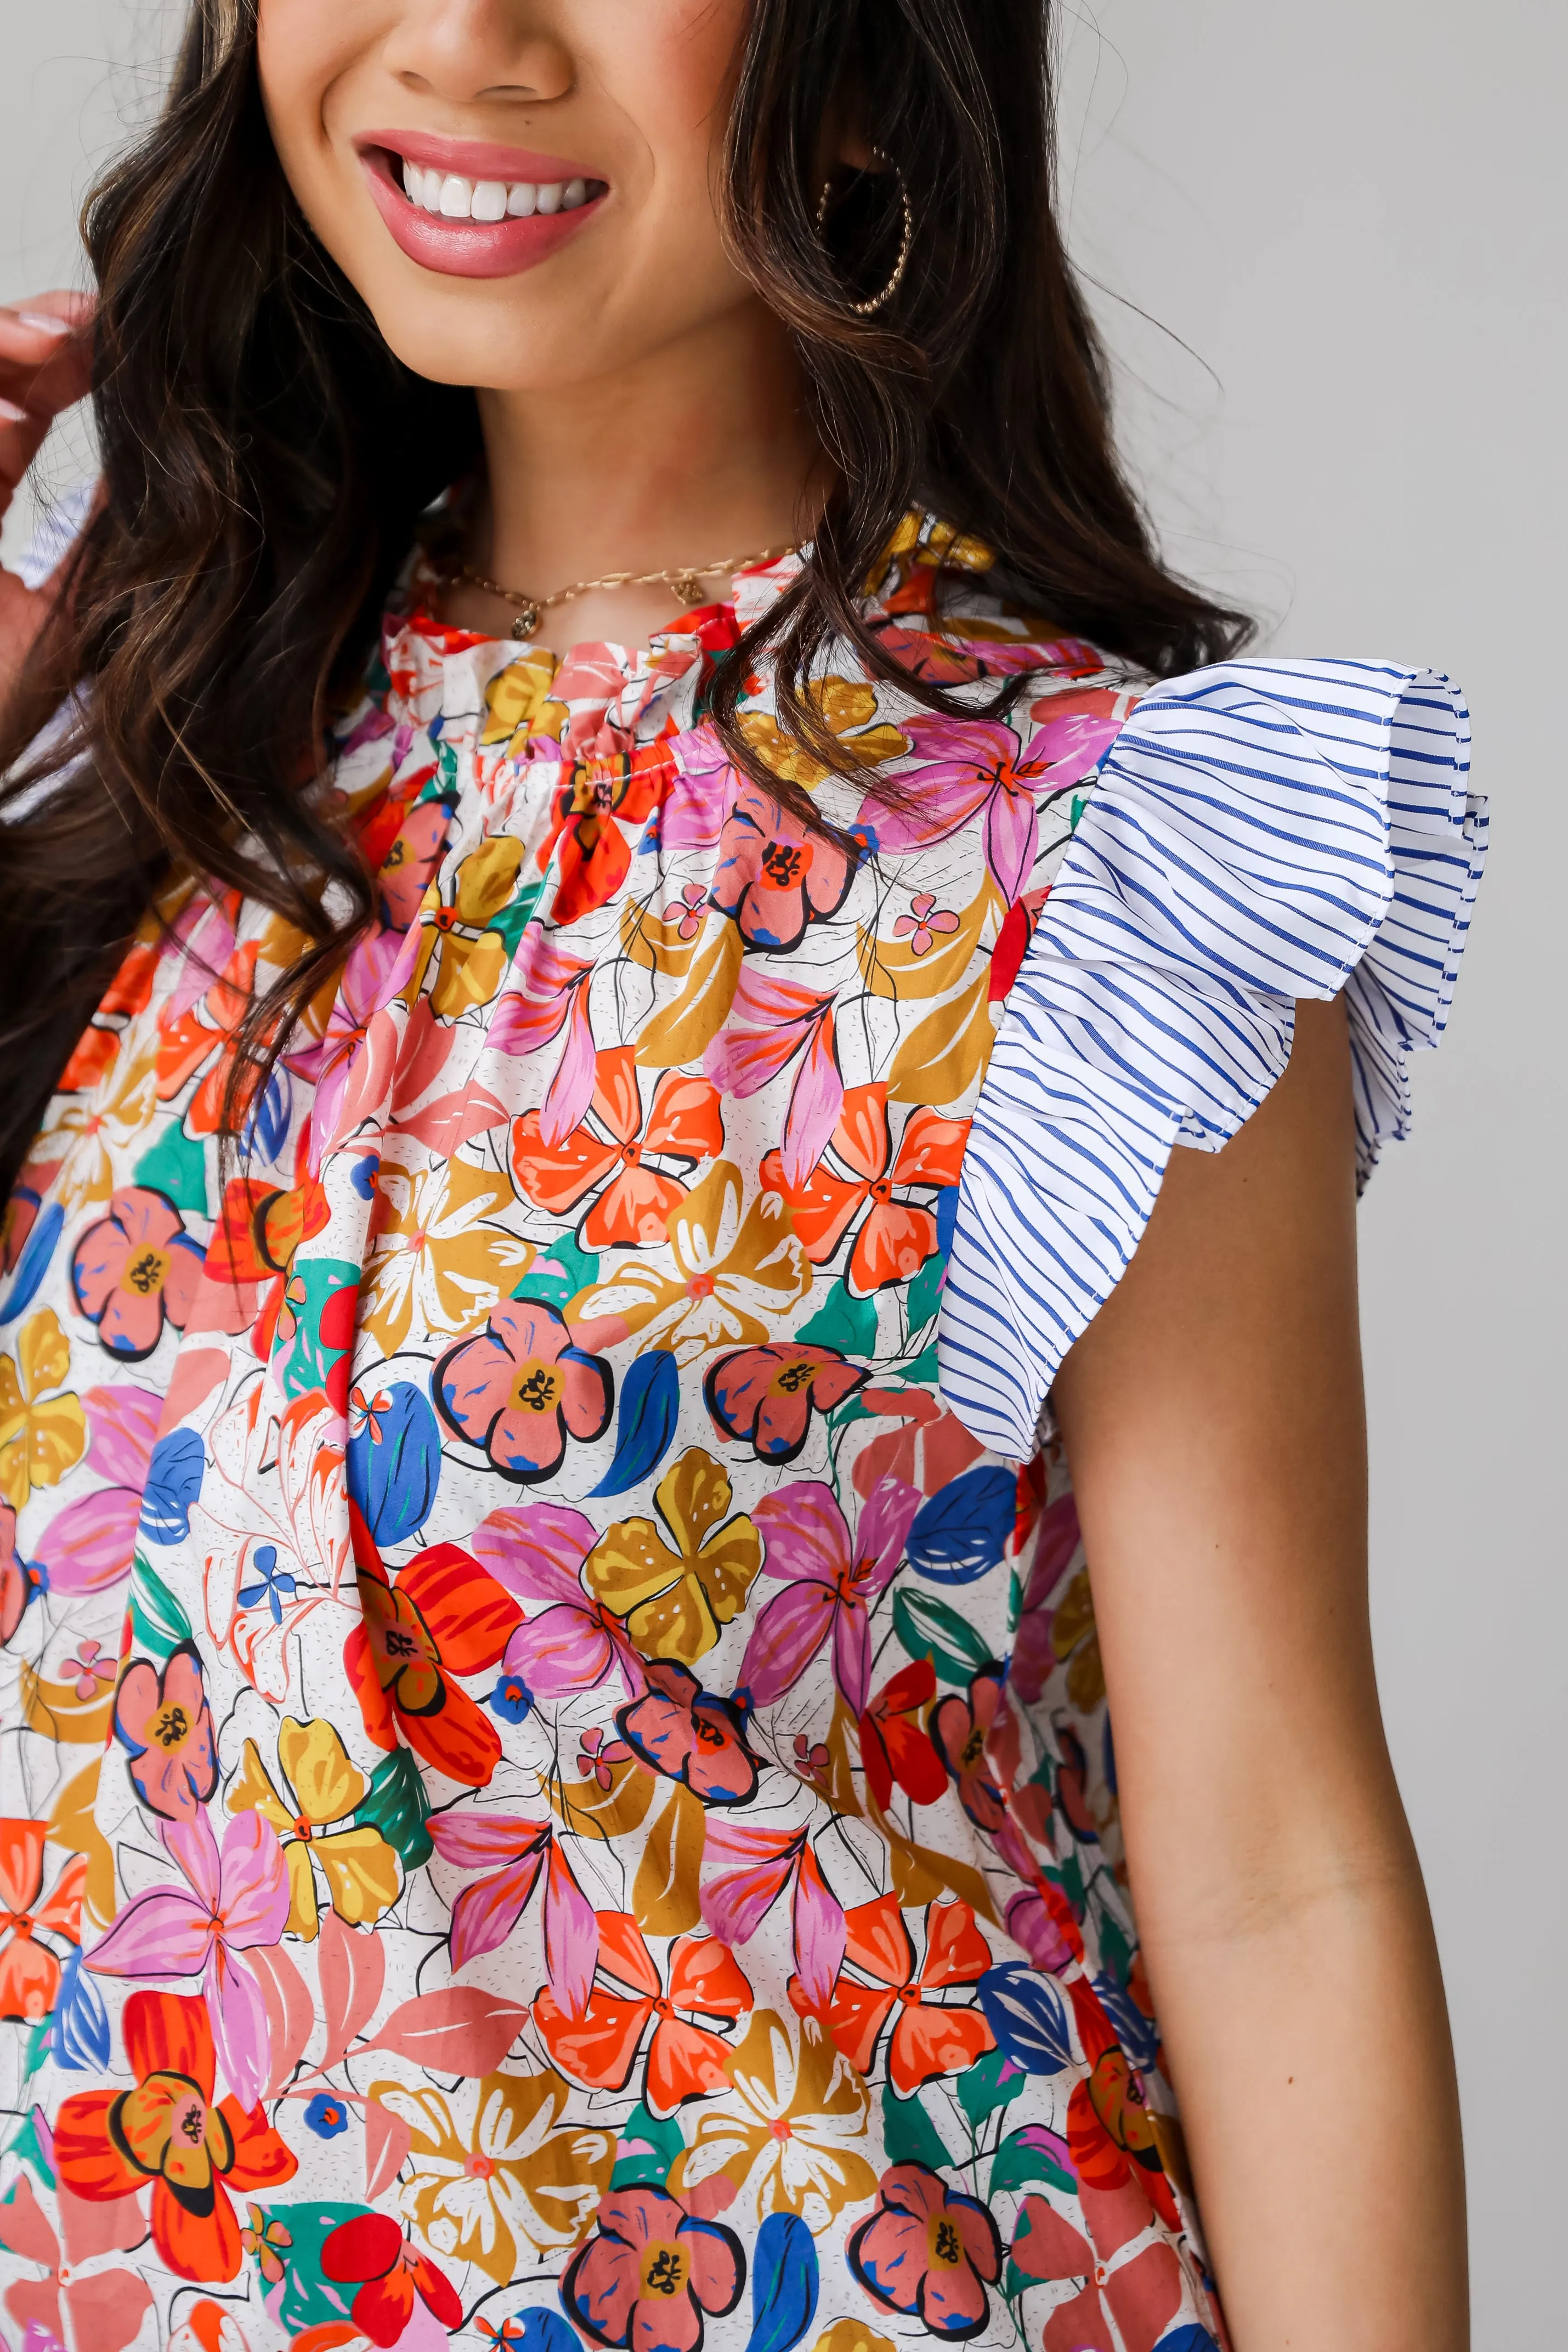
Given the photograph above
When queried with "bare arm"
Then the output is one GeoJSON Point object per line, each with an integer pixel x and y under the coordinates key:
{"type": "Point", "coordinates": [1214, 1422]}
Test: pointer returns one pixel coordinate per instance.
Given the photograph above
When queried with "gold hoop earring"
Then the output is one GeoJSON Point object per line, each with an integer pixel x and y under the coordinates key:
{"type": "Point", "coordinates": [906, 246]}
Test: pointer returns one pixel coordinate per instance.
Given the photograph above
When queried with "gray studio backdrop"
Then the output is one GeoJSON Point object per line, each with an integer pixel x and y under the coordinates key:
{"type": "Point", "coordinates": [1328, 244]}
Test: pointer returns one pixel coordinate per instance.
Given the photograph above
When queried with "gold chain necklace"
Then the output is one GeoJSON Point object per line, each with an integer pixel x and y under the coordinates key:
{"type": "Point", "coordinates": [683, 580]}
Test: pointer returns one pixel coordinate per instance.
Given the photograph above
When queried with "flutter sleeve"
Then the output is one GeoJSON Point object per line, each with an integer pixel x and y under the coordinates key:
{"type": "Point", "coordinates": [1260, 832]}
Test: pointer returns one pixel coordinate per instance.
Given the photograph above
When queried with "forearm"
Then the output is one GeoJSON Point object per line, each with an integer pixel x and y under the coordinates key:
{"type": "Point", "coordinates": [1214, 1425]}
{"type": "Point", "coordinates": [1306, 2038]}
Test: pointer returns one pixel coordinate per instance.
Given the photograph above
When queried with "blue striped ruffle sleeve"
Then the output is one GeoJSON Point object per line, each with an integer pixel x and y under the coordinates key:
{"type": "Point", "coordinates": [1261, 832]}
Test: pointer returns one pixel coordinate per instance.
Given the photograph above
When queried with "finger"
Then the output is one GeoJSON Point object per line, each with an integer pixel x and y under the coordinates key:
{"type": "Point", "coordinates": [23, 432]}
{"type": "Point", "coordinates": [45, 351]}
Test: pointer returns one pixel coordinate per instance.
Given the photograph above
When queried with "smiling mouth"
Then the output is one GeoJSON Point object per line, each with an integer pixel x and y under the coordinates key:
{"type": "Point", "coordinates": [449, 196]}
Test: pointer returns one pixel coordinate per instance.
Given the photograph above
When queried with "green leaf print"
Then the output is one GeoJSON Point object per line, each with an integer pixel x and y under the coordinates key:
{"type": "Point", "coordinates": [397, 1806]}
{"type": "Point", "coordinates": [560, 1273]}
{"type": "Point", "coordinates": [845, 1323]}
{"type": "Point", "coordinates": [157, 1619]}
{"type": "Point", "coordinates": [908, 2133]}
{"type": "Point", "coordinates": [929, 1628]}
{"type": "Point", "coordinates": [649, 2149]}
{"type": "Point", "coordinates": [176, 1167]}
{"type": "Point", "coordinates": [1018, 2165]}
{"type": "Point", "coordinates": [925, 1293]}
{"type": "Point", "coordinates": [981, 2089]}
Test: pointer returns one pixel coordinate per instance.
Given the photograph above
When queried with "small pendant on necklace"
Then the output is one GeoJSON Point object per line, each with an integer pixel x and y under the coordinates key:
{"type": "Point", "coordinates": [689, 588]}
{"type": "Point", "coordinates": [526, 621]}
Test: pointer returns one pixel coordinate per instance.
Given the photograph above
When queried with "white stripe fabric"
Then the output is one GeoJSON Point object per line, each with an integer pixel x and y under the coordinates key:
{"type": "Point", "coordinates": [1261, 832]}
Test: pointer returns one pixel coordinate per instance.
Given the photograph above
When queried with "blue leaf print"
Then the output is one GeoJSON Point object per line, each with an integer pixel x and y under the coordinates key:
{"type": "Point", "coordinates": [394, 1459]}
{"type": "Point", "coordinates": [962, 1532]}
{"type": "Point", "coordinates": [31, 1267]}
{"type": "Point", "coordinates": [784, 2277]}
{"type": "Point", "coordinates": [650, 1408]}
{"type": "Point", "coordinates": [266, 1129]}
{"type": "Point", "coordinates": [1027, 2015]}
{"type": "Point", "coordinates": [540, 2331]}
{"type": "Point", "coordinates": [173, 1482]}
{"type": "Point", "coordinates": [81, 2021]}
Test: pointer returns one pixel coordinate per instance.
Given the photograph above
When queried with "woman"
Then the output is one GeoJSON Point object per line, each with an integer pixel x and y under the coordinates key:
{"type": "Point", "coordinates": [589, 1161]}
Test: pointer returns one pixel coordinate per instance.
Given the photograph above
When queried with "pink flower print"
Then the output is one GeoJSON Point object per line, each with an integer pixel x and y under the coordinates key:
{"type": "Point", "coordinates": [813, 1762]}
{"type": "Point", "coordinates": [930, 2253]}
{"type": "Point", "coordinates": [134, 1270]}
{"type": "Point", "coordinates": [1034, 1657]}
{"type": "Point", "coordinates": [596, 1760]}
{"type": "Point", "coordinates": [486, 1913]}
{"type": "Point", "coordinates": [770, 1021]}
{"type": "Point", "coordinates": [165, 1722]}
{"type": "Point", "coordinates": [644, 2283]}
{"type": "Point", "coordinates": [573, 1642]}
{"type": "Point", "coordinates": [752, 1867]}
{"type": "Point", "coordinates": [521, 1389]}
{"type": "Point", "coordinates": [366, 983]}
{"type": "Point", "coordinates": [832, 1579]}
{"type": "Point", "coordinates": [87, 1670]}
{"type": "Point", "coordinates": [925, 924]}
{"type": "Point", "coordinates": [686, 913]}
{"type": "Point", "coordinates": [238, 1899]}
{"type": "Point", "coordinates": [21, 1581]}
{"type": "Point", "coordinates": [773, 877]}
{"type": "Point", "coordinates": [967, 766]}
{"type": "Point", "coordinates": [960, 1730]}
{"type": "Point", "coordinates": [687, 1734]}
{"type": "Point", "coordinates": [767, 1395]}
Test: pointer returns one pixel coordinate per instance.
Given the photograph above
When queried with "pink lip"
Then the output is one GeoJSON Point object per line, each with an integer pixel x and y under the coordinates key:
{"type": "Point", "coordinates": [470, 248]}
{"type": "Point", "coordinates": [476, 159]}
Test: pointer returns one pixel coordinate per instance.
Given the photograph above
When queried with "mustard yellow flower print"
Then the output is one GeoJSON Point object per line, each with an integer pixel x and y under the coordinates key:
{"type": "Point", "coordinates": [738, 1268]}
{"type": "Point", "coordinates": [789, 2135]}
{"type": "Point", "coordinates": [490, 2177]}
{"type": "Point", "coordinates": [517, 702]}
{"type": "Point", "coordinates": [471, 960]}
{"type": "Point", "coordinates": [847, 708]}
{"type": "Point", "coordinates": [41, 1436]}
{"type": "Point", "coordinates": [319, 1786]}
{"type": "Point", "coordinates": [437, 1264]}
{"type": "Point", "coordinates": [674, 1595]}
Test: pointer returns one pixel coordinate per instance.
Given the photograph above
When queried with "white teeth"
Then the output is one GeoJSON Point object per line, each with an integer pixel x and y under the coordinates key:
{"type": "Point", "coordinates": [451, 196]}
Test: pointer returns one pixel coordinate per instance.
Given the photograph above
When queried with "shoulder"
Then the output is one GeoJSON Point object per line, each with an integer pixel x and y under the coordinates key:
{"type": "Point", "coordinates": [1259, 833]}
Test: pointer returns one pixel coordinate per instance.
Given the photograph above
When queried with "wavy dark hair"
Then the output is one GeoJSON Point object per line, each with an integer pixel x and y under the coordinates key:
{"type": "Point", "coordinates": [265, 461]}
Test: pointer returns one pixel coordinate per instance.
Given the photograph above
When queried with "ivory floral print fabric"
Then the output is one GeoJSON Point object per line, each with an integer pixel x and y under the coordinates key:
{"type": "Point", "coordinates": [555, 1794]}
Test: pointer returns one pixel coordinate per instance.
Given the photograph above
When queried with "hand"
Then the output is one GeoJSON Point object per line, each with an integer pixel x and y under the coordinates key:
{"type": "Point", "coordinates": [45, 363]}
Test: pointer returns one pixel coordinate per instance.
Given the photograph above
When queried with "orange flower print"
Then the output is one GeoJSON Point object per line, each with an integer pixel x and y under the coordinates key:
{"type": "Point", "coordinates": [897, 1236]}
{"type": "Point", "coordinates": [609, 1154]}
{"type": "Point", "coordinates": [169, 2130]}
{"type": "Point", "coordinates": [445, 1617]}
{"type": "Point", "coordinates": [29, 1971]}
{"type": "Point", "coordinates": [879, 1982]}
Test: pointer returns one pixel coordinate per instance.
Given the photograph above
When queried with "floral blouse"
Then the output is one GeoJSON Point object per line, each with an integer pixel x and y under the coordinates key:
{"type": "Point", "coordinates": [556, 1772]}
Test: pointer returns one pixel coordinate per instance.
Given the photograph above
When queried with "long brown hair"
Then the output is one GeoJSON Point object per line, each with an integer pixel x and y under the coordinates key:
{"type": "Point", "coordinates": [265, 461]}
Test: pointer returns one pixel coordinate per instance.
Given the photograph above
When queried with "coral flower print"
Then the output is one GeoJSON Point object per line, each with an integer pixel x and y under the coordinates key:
{"type": "Point", "coordinates": [774, 879]}
{"type": "Point", "coordinates": [169, 2131]}
{"type": "Point", "coordinates": [928, 2252]}
{"type": "Point", "coordinates": [674, 1596]}
{"type": "Point", "coordinates": [521, 1389]}
{"type": "Point", "coordinates": [960, 1727]}
{"type": "Point", "coordinates": [165, 1721]}
{"type": "Point", "coordinates": [925, 924]}
{"type": "Point", "coordinates": [684, 2061]}
{"type": "Point", "coordinates": [645, 2281]}
{"type": "Point", "coordinates": [105, 2306]}
{"type": "Point", "coordinates": [690, 1735]}
{"type": "Point", "coordinates": [1141, 2293]}
{"type": "Point", "coordinates": [134, 1270]}
{"type": "Point", "coordinates": [767, 1395]}
{"type": "Point", "coordinates": [831, 1578]}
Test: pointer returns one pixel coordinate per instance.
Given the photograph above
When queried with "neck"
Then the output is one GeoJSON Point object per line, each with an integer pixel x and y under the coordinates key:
{"type": "Point", "coordinates": [700, 450]}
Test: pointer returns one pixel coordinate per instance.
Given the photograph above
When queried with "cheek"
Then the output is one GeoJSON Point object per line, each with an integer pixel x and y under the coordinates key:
{"type": "Point", "coordinates": [304, 51]}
